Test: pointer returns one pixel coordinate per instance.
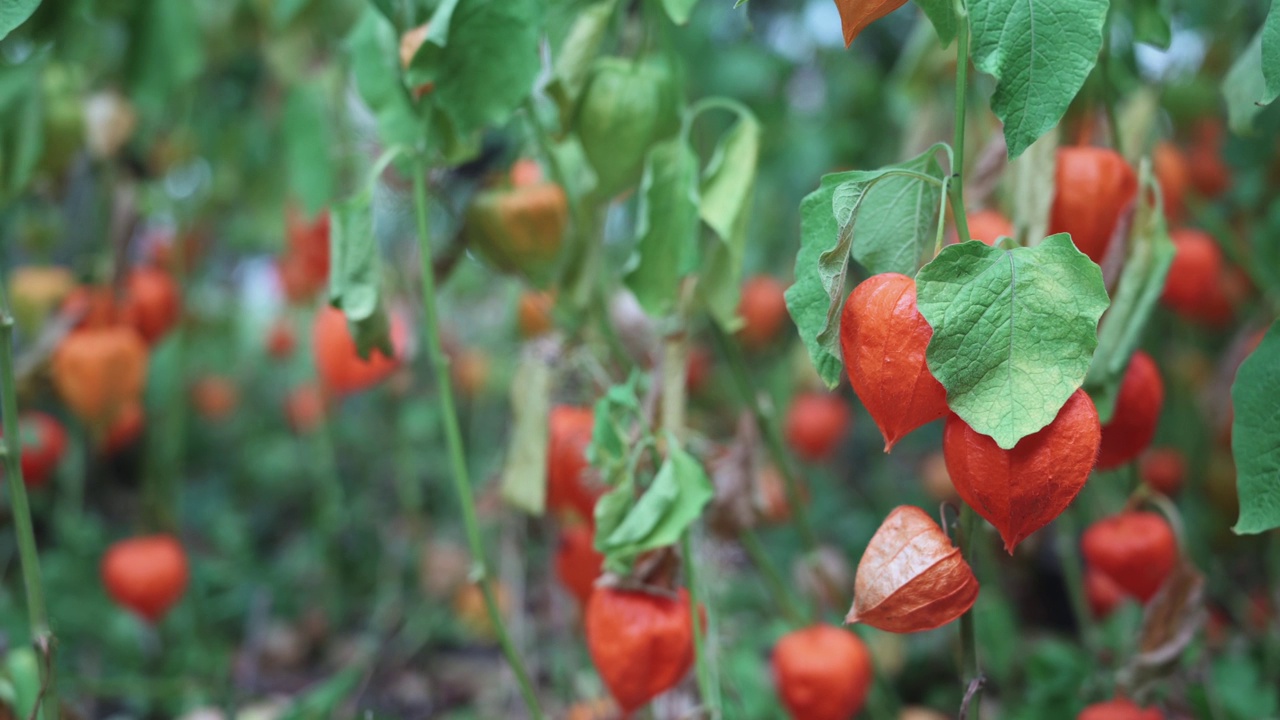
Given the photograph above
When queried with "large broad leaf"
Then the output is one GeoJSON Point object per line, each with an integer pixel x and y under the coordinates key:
{"type": "Point", "coordinates": [1040, 52]}
{"type": "Point", "coordinates": [1151, 22]}
{"type": "Point", "coordinates": [1255, 436]}
{"type": "Point", "coordinates": [889, 217]}
{"type": "Point", "coordinates": [355, 274]}
{"type": "Point", "coordinates": [166, 52]}
{"type": "Point", "coordinates": [667, 242]}
{"type": "Point", "coordinates": [308, 139]}
{"type": "Point", "coordinates": [942, 13]}
{"type": "Point", "coordinates": [1246, 87]}
{"type": "Point", "coordinates": [672, 502]}
{"type": "Point", "coordinates": [374, 51]}
{"type": "Point", "coordinates": [1013, 331]}
{"type": "Point", "coordinates": [1271, 50]}
{"type": "Point", "coordinates": [1140, 286]}
{"type": "Point", "coordinates": [524, 477]}
{"type": "Point", "coordinates": [725, 202]}
{"type": "Point", "coordinates": [15, 12]}
{"type": "Point", "coordinates": [487, 63]}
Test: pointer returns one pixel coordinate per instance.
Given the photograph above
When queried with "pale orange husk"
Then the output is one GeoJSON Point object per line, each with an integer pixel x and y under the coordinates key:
{"type": "Point", "coordinates": [911, 578]}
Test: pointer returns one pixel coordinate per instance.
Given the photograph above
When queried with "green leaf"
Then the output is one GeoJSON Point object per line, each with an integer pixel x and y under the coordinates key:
{"type": "Point", "coordinates": [942, 13]}
{"type": "Point", "coordinates": [1140, 286]}
{"type": "Point", "coordinates": [284, 11]}
{"type": "Point", "coordinates": [1013, 331]}
{"type": "Point", "coordinates": [679, 10]}
{"type": "Point", "coordinates": [308, 138]}
{"type": "Point", "coordinates": [21, 142]}
{"type": "Point", "coordinates": [422, 66]}
{"type": "Point", "coordinates": [667, 229]}
{"type": "Point", "coordinates": [1151, 22]}
{"type": "Point", "coordinates": [727, 188]}
{"type": "Point", "coordinates": [573, 58]}
{"type": "Point", "coordinates": [611, 443]}
{"type": "Point", "coordinates": [15, 12]}
{"type": "Point", "coordinates": [524, 476]}
{"type": "Point", "coordinates": [22, 668]}
{"type": "Point", "coordinates": [1255, 436]}
{"type": "Point", "coordinates": [355, 274]}
{"type": "Point", "coordinates": [489, 63]}
{"type": "Point", "coordinates": [1040, 52]}
{"type": "Point", "coordinates": [323, 699]}
{"type": "Point", "coordinates": [1271, 50]}
{"type": "Point", "coordinates": [897, 229]}
{"type": "Point", "coordinates": [167, 52]}
{"type": "Point", "coordinates": [1245, 87]}
{"type": "Point", "coordinates": [374, 50]}
{"type": "Point", "coordinates": [672, 502]}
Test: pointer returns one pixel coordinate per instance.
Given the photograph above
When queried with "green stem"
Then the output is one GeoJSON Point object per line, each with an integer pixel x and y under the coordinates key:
{"type": "Point", "coordinates": [1108, 94]}
{"type": "Point", "coordinates": [768, 425]}
{"type": "Point", "coordinates": [708, 685]}
{"type": "Point", "coordinates": [453, 437]}
{"type": "Point", "coordinates": [41, 635]}
{"type": "Point", "coordinates": [773, 579]}
{"type": "Point", "coordinates": [1073, 574]}
{"type": "Point", "coordinates": [968, 642]}
{"type": "Point", "coordinates": [956, 187]}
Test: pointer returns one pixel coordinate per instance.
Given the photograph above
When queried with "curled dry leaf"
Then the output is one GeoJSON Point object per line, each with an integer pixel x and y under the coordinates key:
{"type": "Point", "coordinates": [1169, 622]}
{"type": "Point", "coordinates": [911, 577]}
{"type": "Point", "coordinates": [735, 473]}
{"type": "Point", "coordinates": [822, 576]}
{"type": "Point", "coordinates": [1023, 489]}
{"type": "Point", "coordinates": [883, 338]}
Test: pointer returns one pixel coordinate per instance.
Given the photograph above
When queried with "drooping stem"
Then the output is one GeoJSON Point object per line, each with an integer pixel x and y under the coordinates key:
{"type": "Point", "coordinates": [970, 672]}
{"type": "Point", "coordinates": [773, 579]}
{"type": "Point", "coordinates": [11, 445]}
{"type": "Point", "coordinates": [1073, 574]}
{"type": "Point", "coordinates": [956, 187]}
{"type": "Point", "coordinates": [453, 438]}
{"type": "Point", "coordinates": [768, 425]}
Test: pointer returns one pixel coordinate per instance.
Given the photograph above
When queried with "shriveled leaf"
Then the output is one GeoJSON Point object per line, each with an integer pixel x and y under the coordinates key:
{"type": "Point", "coordinates": [1171, 619]}
{"type": "Point", "coordinates": [355, 275]}
{"type": "Point", "coordinates": [524, 476]}
{"type": "Point", "coordinates": [1245, 87]}
{"type": "Point", "coordinates": [1040, 53]}
{"type": "Point", "coordinates": [671, 503]}
{"type": "Point", "coordinates": [1255, 436]}
{"type": "Point", "coordinates": [308, 139]}
{"type": "Point", "coordinates": [725, 200]}
{"type": "Point", "coordinates": [856, 15]}
{"type": "Point", "coordinates": [1013, 331]}
{"type": "Point", "coordinates": [887, 217]}
{"type": "Point", "coordinates": [667, 229]}
{"type": "Point", "coordinates": [735, 475]}
{"type": "Point", "coordinates": [15, 12]}
{"type": "Point", "coordinates": [911, 577]}
{"type": "Point", "coordinates": [1150, 255]}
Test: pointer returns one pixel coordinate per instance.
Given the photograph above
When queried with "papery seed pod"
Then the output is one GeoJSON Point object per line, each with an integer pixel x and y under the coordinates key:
{"type": "Point", "coordinates": [822, 673]}
{"type": "Point", "coordinates": [1133, 424]}
{"type": "Point", "coordinates": [1118, 709]}
{"type": "Point", "coordinates": [1093, 187]}
{"type": "Point", "coordinates": [883, 338]}
{"type": "Point", "coordinates": [1021, 490]}
{"type": "Point", "coordinates": [641, 644]}
{"type": "Point", "coordinates": [911, 577]}
{"type": "Point", "coordinates": [856, 15]}
{"type": "Point", "coordinates": [1137, 550]}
